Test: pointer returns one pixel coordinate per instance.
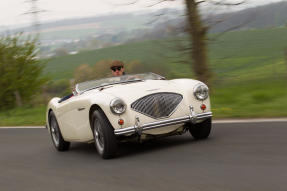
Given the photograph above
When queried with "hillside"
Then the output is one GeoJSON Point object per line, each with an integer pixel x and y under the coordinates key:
{"type": "Point", "coordinates": [271, 15]}
{"type": "Point", "coordinates": [251, 54]}
{"type": "Point", "coordinates": [249, 73]}
{"type": "Point", "coordinates": [78, 34]}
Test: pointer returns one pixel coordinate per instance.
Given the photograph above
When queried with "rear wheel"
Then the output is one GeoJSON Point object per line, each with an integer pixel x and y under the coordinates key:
{"type": "Point", "coordinates": [56, 135]}
{"type": "Point", "coordinates": [105, 139]}
{"type": "Point", "coordinates": [201, 130]}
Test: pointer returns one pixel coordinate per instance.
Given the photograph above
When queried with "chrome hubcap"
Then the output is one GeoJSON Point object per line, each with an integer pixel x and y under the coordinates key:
{"type": "Point", "coordinates": [99, 138]}
{"type": "Point", "coordinates": [97, 135]}
{"type": "Point", "coordinates": [55, 132]}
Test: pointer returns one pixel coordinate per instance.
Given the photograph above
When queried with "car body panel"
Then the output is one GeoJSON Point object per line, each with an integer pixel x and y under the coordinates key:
{"type": "Point", "coordinates": [73, 114]}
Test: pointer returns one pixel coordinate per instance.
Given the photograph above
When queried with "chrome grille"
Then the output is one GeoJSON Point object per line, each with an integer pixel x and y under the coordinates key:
{"type": "Point", "coordinates": [157, 105]}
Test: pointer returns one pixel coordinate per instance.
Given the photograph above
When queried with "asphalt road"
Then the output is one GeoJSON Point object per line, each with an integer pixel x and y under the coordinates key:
{"type": "Point", "coordinates": [243, 157]}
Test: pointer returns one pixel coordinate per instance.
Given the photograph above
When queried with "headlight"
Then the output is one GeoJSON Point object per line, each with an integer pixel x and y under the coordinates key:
{"type": "Point", "coordinates": [200, 91]}
{"type": "Point", "coordinates": [118, 106]}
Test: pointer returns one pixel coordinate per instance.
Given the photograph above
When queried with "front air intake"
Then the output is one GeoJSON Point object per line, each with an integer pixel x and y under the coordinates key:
{"type": "Point", "coordinates": [158, 105]}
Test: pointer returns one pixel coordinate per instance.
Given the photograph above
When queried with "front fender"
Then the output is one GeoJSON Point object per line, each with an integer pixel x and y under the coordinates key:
{"type": "Point", "coordinates": [103, 101]}
{"type": "Point", "coordinates": [52, 106]}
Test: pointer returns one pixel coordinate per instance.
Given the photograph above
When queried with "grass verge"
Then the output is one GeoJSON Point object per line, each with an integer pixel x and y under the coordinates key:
{"type": "Point", "coordinates": [23, 116]}
{"type": "Point", "coordinates": [250, 99]}
{"type": "Point", "coordinates": [244, 99]}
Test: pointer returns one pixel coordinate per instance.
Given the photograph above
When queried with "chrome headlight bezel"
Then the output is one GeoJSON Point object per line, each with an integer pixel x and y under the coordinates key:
{"type": "Point", "coordinates": [118, 106]}
{"type": "Point", "coordinates": [201, 91]}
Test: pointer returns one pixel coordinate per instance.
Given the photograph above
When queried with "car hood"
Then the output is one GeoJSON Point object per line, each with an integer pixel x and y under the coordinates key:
{"type": "Point", "coordinates": [133, 91]}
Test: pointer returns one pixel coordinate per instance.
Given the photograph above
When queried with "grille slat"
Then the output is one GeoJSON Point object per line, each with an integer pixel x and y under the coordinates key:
{"type": "Point", "coordinates": [157, 105]}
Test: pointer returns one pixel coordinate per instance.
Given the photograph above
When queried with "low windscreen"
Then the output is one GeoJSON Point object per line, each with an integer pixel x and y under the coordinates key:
{"type": "Point", "coordinates": [84, 86]}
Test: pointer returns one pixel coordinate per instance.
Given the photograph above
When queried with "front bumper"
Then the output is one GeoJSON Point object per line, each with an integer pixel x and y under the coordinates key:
{"type": "Point", "coordinates": [138, 128]}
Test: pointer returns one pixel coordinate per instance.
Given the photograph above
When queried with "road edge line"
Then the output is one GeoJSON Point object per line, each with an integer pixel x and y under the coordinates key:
{"type": "Point", "coordinates": [263, 120]}
{"type": "Point", "coordinates": [218, 121]}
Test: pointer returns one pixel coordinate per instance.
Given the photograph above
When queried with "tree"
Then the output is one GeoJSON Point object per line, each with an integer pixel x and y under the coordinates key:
{"type": "Point", "coordinates": [83, 73]}
{"type": "Point", "coordinates": [20, 70]}
{"type": "Point", "coordinates": [197, 30]}
{"type": "Point", "coordinates": [102, 69]}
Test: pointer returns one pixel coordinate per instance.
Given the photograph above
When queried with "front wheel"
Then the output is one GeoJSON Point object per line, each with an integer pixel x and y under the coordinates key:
{"type": "Point", "coordinates": [201, 130]}
{"type": "Point", "coordinates": [105, 139]}
{"type": "Point", "coordinates": [56, 135]}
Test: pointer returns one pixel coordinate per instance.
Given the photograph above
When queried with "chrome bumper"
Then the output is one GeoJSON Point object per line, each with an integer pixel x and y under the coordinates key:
{"type": "Point", "coordinates": [138, 128]}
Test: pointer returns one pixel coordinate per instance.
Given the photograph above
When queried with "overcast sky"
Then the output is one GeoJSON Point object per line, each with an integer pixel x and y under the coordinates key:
{"type": "Point", "coordinates": [12, 11]}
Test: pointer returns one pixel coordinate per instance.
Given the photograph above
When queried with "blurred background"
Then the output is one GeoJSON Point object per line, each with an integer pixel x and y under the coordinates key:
{"type": "Point", "coordinates": [238, 48]}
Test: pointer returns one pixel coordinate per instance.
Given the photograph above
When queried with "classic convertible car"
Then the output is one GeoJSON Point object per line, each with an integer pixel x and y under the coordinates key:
{"type": "Point", "coordinates": [130, 107]}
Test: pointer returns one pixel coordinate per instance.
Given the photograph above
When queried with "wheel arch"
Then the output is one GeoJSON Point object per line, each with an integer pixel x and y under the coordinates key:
{"type": "Point", "coordinates": [93, 108]}
{"type": "Point", "coordinates": [52, 107]}
{"type": "Point", "coordinates": [91, 111]}
{"type": "Point", "coordinates": [49, 112]}
{"type": "Point", "coordinates": [49, 117]}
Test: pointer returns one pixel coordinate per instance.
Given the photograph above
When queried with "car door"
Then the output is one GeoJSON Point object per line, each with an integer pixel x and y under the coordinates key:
{"type": "Point", "coordinates": [73, 119]}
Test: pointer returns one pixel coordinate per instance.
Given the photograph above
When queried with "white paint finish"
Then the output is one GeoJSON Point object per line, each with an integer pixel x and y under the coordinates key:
{"type": "Point", "coordinates": [73, 114]}
{"type": "Point", "coordinates": [75, 125]}
{"type": "Point", "coordinates": [131, 92]}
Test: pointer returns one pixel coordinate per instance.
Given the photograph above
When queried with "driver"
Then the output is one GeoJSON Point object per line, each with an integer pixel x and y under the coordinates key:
{"type": "Point", "coordinates": [117, 68]}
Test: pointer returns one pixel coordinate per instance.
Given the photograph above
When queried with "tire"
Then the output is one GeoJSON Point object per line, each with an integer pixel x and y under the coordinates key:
{"type": "Point", "coordinates": [104, 137]}
{"type": "Point", "coordinates": [56, 135]}
{"type": "Point", "coordinates": [201, 130]}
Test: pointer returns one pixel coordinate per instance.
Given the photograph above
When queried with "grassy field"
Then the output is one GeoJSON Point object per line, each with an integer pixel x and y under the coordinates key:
{"type": "Point", "coordinates": [249, 68]}
{"type": "Point", "coordinates": [230, 55]}
{"type": "Point", "coordinates": [23, 116]}
{"type": "Point", "coordinates": [253, 99]}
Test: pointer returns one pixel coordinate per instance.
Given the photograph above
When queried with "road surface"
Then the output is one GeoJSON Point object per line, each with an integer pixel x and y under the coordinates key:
{"type": "Point", "coordinates": [237, 156]}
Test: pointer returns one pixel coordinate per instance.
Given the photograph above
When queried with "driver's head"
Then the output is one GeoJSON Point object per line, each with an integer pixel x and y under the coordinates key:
{"type": "Point", "coordinates": [117, 68]}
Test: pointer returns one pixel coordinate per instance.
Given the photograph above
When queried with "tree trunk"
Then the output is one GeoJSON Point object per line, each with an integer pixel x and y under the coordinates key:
{"type": "Point", "coordinates": [18, 98]}
{"type": "Point", "coordinates": [198, 32]}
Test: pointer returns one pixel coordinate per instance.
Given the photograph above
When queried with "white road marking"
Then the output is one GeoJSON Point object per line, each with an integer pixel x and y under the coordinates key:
{"type": "Point", "coordinates": [24, 127]}
{"type": "Point", "coordinates": [214, 121]}
{"type": "Point", "coordinates": [249, 120]}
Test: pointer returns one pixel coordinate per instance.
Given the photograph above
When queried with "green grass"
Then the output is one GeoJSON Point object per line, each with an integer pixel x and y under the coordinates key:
{"type": "Point", "coordinates": [252, 99]}
{"type": "Point", "coordinates": [233, 54]}
{"type": "Point", "coordinates": [23, 116]}
{"type": "Point", "coordinates": [149, 53]}
{"type": "Point", "coordinates": [249, 79]}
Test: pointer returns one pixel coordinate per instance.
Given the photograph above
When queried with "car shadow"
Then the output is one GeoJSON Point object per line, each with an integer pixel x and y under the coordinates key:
{"type": "Point", "coordinates": [84, 148]}
{"type": "Point", "coordinates": [136, 148]}
{"type": "Point", "coordinates": [129, 149]}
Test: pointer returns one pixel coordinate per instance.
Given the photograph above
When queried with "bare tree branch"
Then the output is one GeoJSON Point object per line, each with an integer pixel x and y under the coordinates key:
{"type": "Point", "coordinates": [225, 3]}
{"type": "Point", "coordinates": [124, 4]}
{"type": "Point", "coordinates": [231, 29]}
{"type": "Point", "coordinates": [159, 2]}
{"type": "Point", "coordinates": [200, 2]}
{"type": "Point", "coordinates": [196, 45]}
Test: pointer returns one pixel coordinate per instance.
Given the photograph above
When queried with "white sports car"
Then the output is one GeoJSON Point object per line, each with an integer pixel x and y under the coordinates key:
{"type": "Point", "coordinates": [130, 107]}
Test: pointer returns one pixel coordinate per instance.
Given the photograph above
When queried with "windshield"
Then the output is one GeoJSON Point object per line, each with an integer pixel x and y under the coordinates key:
{"type": "Point", "coordinates": [82, 87]}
